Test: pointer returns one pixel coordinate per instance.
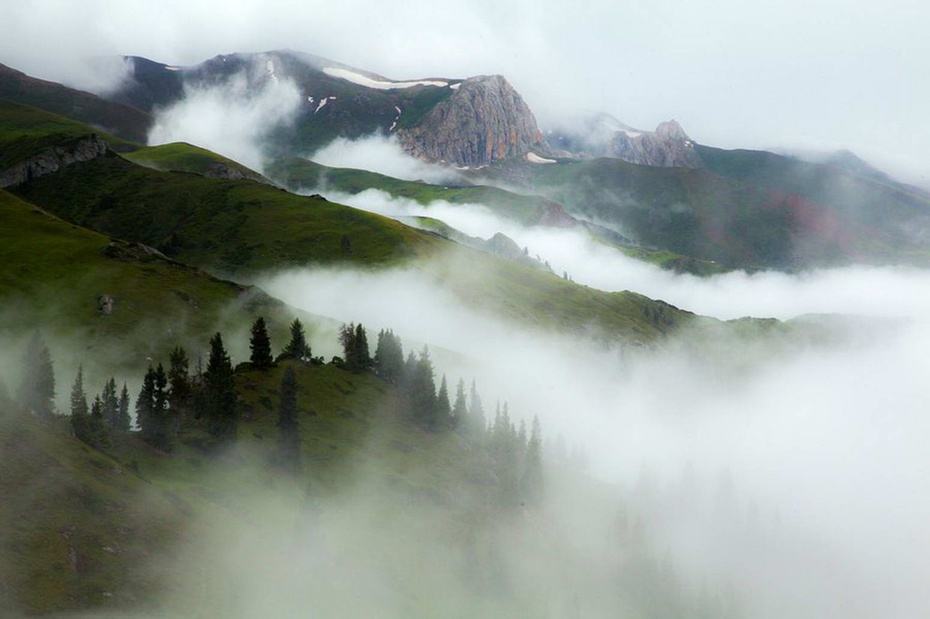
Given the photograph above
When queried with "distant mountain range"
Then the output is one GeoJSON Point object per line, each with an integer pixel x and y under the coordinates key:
{"type": "Point", "coordinates": [737, 208]}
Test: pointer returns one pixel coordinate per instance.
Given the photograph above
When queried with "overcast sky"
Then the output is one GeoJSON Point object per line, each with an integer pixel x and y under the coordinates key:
{"type": "Point", "coordinates": [785, 73]}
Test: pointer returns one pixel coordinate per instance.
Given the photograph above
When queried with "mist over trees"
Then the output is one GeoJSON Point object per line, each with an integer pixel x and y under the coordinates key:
{"type": "Point", "coordinates": [170, 400]}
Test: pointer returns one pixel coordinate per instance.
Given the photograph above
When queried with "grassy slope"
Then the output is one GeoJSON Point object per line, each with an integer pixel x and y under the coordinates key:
{"type": "Point", "coordinates": [26, 131]}
{"type": "Point", "coordinates": [743, 213]}
{"type": "Point", "coordinates": [156, 300]}
{"type": "Point", "coordinates": [245, 227]}
{"type": "Point", "coordinates": [225, 225]}
{"type": "Point", "coordinates": [184, 157]}
{"type": "Point", "coordinates": [92, 521]}
{"type": "Point", "coordinates": [127, 122]}
{"type": "Point", "coordinates": [299, 173]}
{"type": "Point", "coordinates": [525, 210]}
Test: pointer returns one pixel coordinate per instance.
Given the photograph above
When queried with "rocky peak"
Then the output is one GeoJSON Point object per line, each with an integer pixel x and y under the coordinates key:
{"type": "Point", "coordinates": [671, 130]}
{"type": "Point", "coordinates": [484, 120]}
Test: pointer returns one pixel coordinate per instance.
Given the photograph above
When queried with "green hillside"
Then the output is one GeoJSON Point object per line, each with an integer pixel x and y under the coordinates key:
{"type": "Point", "coordinates": [26, 131]}
{"type": "Point", "coordinates": [183, 157]}
{"type": "Point", "coordinates": [89, 531]}
{"type": "Point", "coordinates": [124, 121]}
{"type": "Point", "coordinates": [745, 210]}
{"type": "Point", "coordinates": [55, 274]}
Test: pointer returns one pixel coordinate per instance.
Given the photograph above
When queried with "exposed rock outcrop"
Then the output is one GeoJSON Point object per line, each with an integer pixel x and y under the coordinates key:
{"type": "Point", "coordinates": [604, 136]}
{"type": "Point", "coordinates": [53, 159]}
{"type": "Point", "coordinates": [484, 120]}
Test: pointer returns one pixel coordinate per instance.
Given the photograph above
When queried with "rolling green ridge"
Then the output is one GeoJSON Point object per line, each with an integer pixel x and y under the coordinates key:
{"type": "Point", "coordinates": [26, 131]}
{"type": "Point", "coordinates": [526, 210]}
{"type": "Point", "coordinates": [183, 157]}
{"type": "Point", "coordinates": [154, 299]}
{"type": "Point", "coordinates": [223, 225]}
{"type": "Point", "coordinates": [124, 121]}
{"type": "Point", "coordinates": [744, 214]}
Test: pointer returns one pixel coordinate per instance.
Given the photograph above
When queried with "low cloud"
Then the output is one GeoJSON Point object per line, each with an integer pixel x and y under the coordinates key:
{"type": "Point", "coordinates": [233, 118]}
{"type": "Point", "coordinates": [382, 154]}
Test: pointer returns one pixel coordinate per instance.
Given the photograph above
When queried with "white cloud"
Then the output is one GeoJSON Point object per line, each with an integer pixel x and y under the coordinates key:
{"type": "Point", "coordinates": [230, 118]}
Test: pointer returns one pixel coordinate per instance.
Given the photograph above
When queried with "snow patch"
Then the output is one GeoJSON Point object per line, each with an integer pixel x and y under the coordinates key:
{"type": "Point", "coordinates": [534, 158]}
{"type": "Point", "coordinates": [455, 86]}
{"type": "Point", "coordinates": [363, 80]}
{"type": "Point", "coordinates": [170, 68]}
{"type": "Point", "coordinates": [323, 102]}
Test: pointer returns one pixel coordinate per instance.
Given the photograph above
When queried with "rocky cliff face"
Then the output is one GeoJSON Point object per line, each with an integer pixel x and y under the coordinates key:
{"type": "Point", "coordinates": [483, 121]}
{"type": "Point", "coordinates": [53, 159]}
{"type": "Point", "coordinates": [604, 136]}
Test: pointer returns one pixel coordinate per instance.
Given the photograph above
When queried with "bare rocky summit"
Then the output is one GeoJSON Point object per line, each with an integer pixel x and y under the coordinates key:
{"type": "Point", "coordinates": [483, 121]}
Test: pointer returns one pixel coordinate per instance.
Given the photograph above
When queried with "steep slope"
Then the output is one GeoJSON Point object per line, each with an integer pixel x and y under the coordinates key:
{"type": "Point", "coordinates": [124, 121]}
{"type": "Point", "coordinates": [744, 209]}
{"type": "Point", "coordinates": [485, 120]}
{"type": "Point", "coordinates": [108, 292]}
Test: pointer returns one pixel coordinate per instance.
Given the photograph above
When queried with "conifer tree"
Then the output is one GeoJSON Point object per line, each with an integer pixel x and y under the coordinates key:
{"type": "Point", "coordinates": [94, 432]}
{"type": "Point", "coordinates": [180, 391]}
{"type": "Point", "coordinates": [288, 429]}
{"type": "Point", "coordinates": [161, 414]}
{"type": "Point", "coordinates": [297, 348]}
{"type": "Point", "coordinates": [477, 422]}
{"type": "Point", "coordinates": [37, 389]}
{"type": "Point", "coordinates": [220, 391]}
{"type": "Point", "coordinates": [145, 405]}
{"type": "Point", "coordinates": [389, 357]}
{"type": "Point", "coordinates": [460, 418]}
{"type": "Point", "coordinates": [443, 409]}
{"type": "Point", "coordinates": [361, 358]}
{"type": "Point", "coordinates": [532, 480]}
{"type": "Point", "coordinates": [123, 420]}
{"type": "Point", "coordinates": [79, 411]}
{"type": "Point", "coordinates": [423, 391]}
{"type": "Point", "coordinates": [260, 345]}
{"type": "Point", "coordinates": [110, 405]}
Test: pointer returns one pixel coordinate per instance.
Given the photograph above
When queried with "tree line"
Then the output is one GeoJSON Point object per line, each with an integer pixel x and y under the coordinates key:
{"type": "Point", "coordinates": [206, 396]}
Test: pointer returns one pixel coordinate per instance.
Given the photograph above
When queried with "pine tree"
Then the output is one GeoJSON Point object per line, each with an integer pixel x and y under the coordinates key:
{"type": "Point", "coordinates": [531, 484]}
{"type": "Point", "coordinates": [361, 358]}
{"type": "Point", "coordinates": [288, 429]}
{"type": "Point", "coordinates": [260, 344]}
{"type": "Point", "coordinates": [180, 392]}
{"type": "Point", "coordinates": [476, 419]}
{"type": "Point", "coordinates": [145, 405]}
{"type": "Point", "coordinates": [220, 391]}
{"type": "Point", "coordinates": [110, 405]}
{"type": "Point", "coordinates": [443, 409]}
{"type": "Point", "coordinates": [423, 392]}
{"type": "Point", "coordinates": [460, 417]}
{"type": "Point", "coordinates": [79, 411]}
{"type": "Point", "coordinates": [37, 389]}
{"type": "Point", "coordinates": [123, 420]}
{"type": "Point", "coordinates": [297, 348]}
{"type": "Point", "coordinates": [94, 430]}
{"type": "Point", "coordinates": [161, 414]}
{"type": "Point", "coordinates": [389, 357]}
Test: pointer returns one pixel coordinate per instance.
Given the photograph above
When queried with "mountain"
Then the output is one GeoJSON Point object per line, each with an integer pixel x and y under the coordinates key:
{"type": "Point", "coordinates": [124, 121]}
{"type": "Point", "coordinates": [743, 209]}
{"type": "Point", "coordinates": [470, 122]}
{"type": "Point", "coordinates": [484, 121]}
{"type": "Point", "coordinates": [602, 135]}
